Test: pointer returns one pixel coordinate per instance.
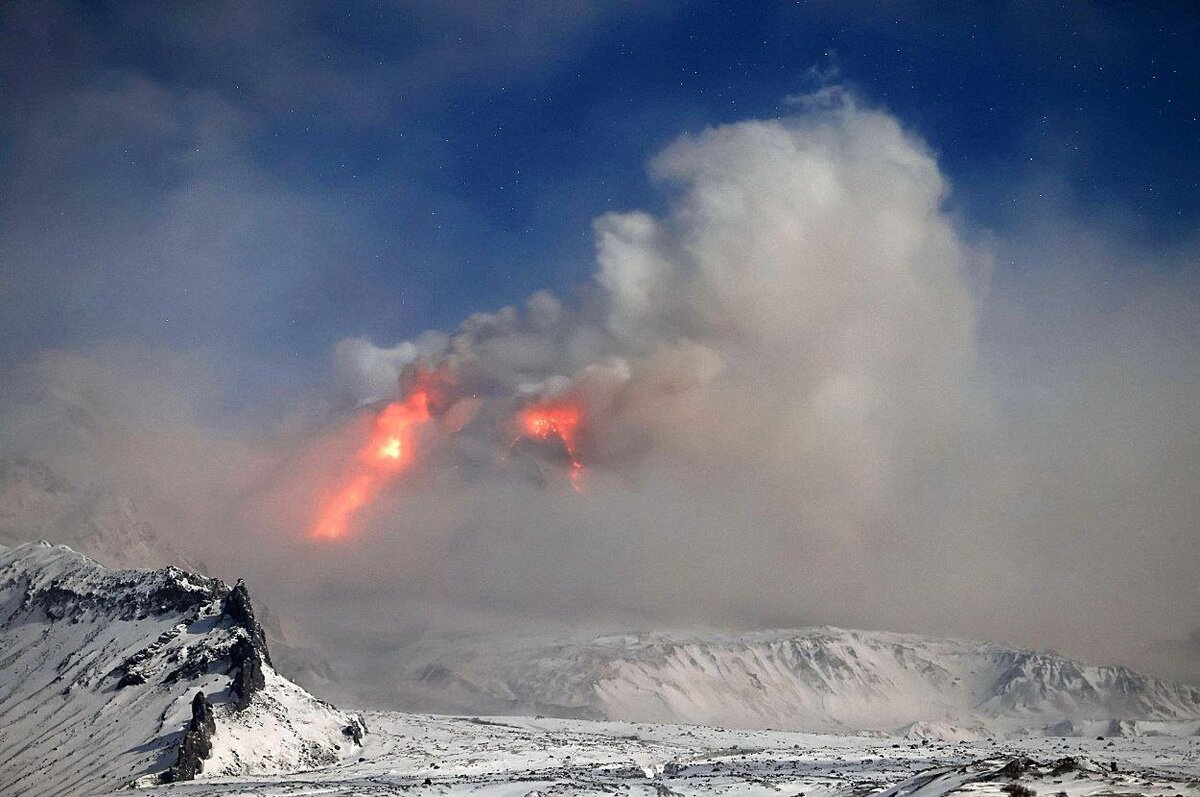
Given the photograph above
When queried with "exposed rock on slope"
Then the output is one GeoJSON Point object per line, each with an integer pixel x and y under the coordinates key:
{"type": "Point", "coordinates": [196, 744]}
{"type": "Point", "coordinates": [111, 676]}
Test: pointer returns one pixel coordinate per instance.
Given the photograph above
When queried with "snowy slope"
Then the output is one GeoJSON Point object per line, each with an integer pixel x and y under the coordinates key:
{"type": "Point", "coordinates": [99, 669]}
{"type": "Point", "coordinates": [820, 680]}
{"type": "Point", "coordinates": [40, 501]}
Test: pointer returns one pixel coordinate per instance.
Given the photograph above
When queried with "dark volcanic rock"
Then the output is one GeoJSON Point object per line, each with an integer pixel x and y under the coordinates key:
{"type": "Point", "coordinates": [246, 665]}
{"type": "Point", "coordinates": [238, 608]}
{"type": "Point", "coordinates": [249, 653]}
{"type": "Point", "coordinates": [1016, 767]}
{"type": "Point", "coordinates": [196, 744]}
{"type": "Point", "coordinates": [195, 664]}
{"type": "Point", "coordinates": [355, 730]}
{"type": "Point", "coordinates": [131, 678]}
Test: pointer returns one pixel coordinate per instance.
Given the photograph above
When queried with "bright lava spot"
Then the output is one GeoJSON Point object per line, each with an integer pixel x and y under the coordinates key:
{"type": "Point", "coordinates": [557, 418]}
{"type": "Point", "coordinates": [390, 450]}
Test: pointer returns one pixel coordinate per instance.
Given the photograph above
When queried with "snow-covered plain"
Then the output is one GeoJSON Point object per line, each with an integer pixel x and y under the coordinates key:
{"type": "Point", "coordinates": [507, 757]}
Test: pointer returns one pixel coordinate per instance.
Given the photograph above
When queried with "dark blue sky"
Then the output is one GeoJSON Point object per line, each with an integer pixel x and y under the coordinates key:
{"type": "Point", "coordinates": [255, 183]}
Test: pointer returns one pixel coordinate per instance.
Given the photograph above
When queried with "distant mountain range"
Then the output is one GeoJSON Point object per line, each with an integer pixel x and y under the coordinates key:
{"type": "Point", "coordinates": [818, 679]}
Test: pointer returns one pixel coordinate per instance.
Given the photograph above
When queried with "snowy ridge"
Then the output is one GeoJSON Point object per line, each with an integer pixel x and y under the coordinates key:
{"type": "Point", "coordinates": [817, 680]}
{"type": "Point", "coordinates": [102, 671]}
{"type": "Point", "coordinates": [99, 669]}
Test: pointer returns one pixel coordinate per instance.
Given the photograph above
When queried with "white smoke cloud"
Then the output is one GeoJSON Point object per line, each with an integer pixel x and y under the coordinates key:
{"type": "Point", "coordinates": [365, 372]}
{"type": "Point", "coordinates": [767, 372]}
{"type": "Point", "coordinates": [804, 305]}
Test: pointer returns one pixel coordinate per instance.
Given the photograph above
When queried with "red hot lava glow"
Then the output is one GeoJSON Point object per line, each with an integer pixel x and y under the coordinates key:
{"type": "Point", "coordinates": [561, 419]}
{"type": "Point", "coordinates": [390, 450]}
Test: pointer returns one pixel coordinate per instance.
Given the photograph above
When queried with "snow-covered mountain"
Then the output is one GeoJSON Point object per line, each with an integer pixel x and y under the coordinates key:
{"type": "Point", "coordinates": [114, 676]}
{"type": "Point", "coordinates": [818, 680]}
{"type": "Point", "coordinates": [40, 500]}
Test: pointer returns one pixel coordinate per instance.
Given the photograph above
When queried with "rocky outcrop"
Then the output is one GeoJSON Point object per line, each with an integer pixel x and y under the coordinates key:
{"type": "Point", "coordinates": [121, 594]}
{"type": "Point", "coordinates": [245, 664]}
{"type": "Point", "coordinates": [355, 730]}
{"type": "Point", "coordinates": [196, 744]}
{"type": "Point", "coordinates": [238, 608]}
{"type": "Point", "coordinates": [249, 653]}
{"type": "Point", "coordinates": [1015, 768]}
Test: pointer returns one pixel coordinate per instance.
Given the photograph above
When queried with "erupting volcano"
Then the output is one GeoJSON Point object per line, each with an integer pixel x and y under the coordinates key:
{"type": "Point", "coordinates": [390, 450]}
{"type": "Point", "coordinates": [561, 419]}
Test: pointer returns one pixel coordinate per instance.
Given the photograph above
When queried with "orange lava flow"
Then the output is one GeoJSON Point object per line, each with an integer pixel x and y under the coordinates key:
{"type": "Point", "coordinates": [390, 450]}
{"type": "Point", "coordinates": [561, 419]}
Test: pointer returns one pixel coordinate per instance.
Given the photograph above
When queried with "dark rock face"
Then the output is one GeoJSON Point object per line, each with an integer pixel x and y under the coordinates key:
{"type": "Point", "coordinates": [249, 653]}
{"type": "Point", "coordinates": [246, 666]}
{"type": "Point", "coordinates": [125, 594]}
{"type": "Point", "coordinates": [194, 665]}
{"type": "Point", "coordinates": [238, 608]}
{"type": "Point", "coordinates": [196, 744]}
{"type": "Point", "coordinates": [355, 730]}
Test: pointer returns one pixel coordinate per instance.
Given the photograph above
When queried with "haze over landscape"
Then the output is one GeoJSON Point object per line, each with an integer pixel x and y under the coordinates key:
{"type": "Point", "coordinates": [566, 358]}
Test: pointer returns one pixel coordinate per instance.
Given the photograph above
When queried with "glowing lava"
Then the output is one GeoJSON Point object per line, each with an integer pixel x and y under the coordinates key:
{"type": "Point", "coordinates": [390, 450]}
{"type": "Point", "coordinates": [561, 419]}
